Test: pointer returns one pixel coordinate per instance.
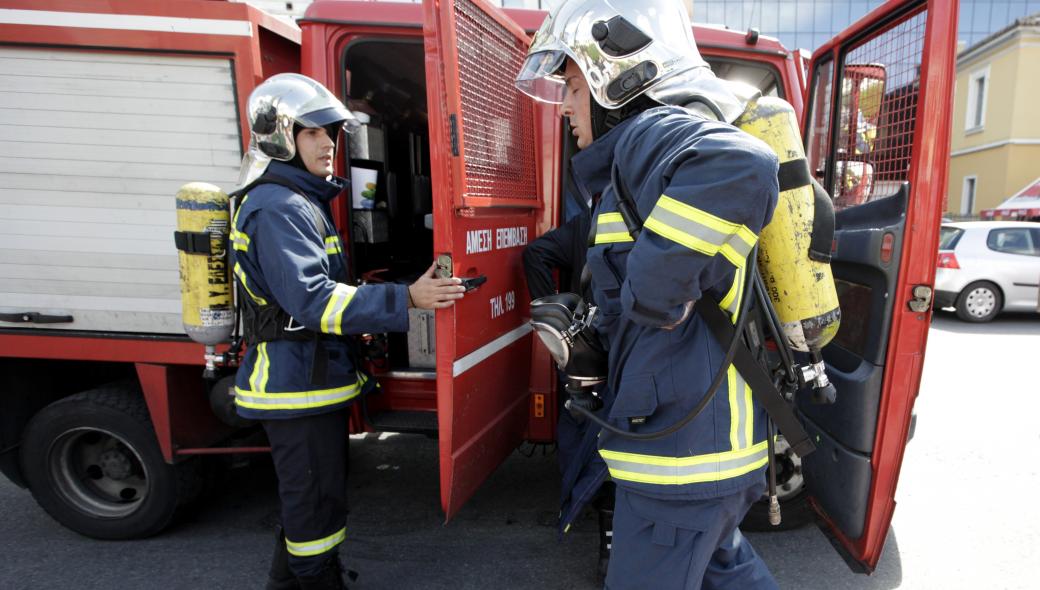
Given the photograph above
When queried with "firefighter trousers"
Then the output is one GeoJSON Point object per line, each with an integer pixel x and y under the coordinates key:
{"type": "Point", "coordinates": [684, 544]}
{"type": "Point", "coordinates": [310, 457]}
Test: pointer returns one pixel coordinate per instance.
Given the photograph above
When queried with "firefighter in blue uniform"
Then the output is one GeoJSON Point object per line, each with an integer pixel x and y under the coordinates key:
{"type": "Point", "coordinates": [298, 376]}
{"type": "Point", "coordinates": [703, 190]}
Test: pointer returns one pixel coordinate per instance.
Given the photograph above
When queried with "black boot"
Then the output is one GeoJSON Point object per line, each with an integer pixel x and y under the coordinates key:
{"type": "Point", "coordinates": [329, 578]}
{"type": "Point", "coordinates": [606, 538]}
{"type": "Point", "coordinates": [280, 578]}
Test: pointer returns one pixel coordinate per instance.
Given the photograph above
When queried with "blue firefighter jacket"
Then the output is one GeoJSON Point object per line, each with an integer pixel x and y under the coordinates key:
{"type": "Point", "coordinates": [704, 190]}
{"type": "Point", "coordinates": [280, 256]}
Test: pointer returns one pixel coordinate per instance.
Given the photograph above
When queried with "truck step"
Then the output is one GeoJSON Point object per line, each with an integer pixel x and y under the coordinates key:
{"type": "Point", "coordinates": [413, 421]}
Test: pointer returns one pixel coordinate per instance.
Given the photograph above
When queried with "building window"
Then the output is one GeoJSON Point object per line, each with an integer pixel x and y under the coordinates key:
{"type": "Point", "coordinates": [968, 195]}
{"type": "Point", "coordinates": [978, 85]}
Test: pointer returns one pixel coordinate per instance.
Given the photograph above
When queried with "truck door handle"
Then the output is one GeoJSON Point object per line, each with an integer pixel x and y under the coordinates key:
{"type": "Point", "coordinates": [34, 317]}
{"type": "Point", "coordinates": [473, 282]}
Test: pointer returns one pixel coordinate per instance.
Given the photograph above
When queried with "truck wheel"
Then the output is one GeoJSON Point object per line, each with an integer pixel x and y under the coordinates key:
{"type": "Point", "coordinates": [795, 510]}
{"type": "Point", "coordinates": [979, 302]}
{"type": "Point", "coordinates": [93, 463]}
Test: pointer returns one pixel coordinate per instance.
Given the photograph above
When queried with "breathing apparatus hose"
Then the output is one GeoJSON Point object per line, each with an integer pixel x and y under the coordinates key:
{"type": "Point", "coordinates": [731, 350]}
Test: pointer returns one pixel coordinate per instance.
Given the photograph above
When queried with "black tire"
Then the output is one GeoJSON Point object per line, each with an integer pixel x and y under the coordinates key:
{"type": "Point", "coordinates": [979, 302]}
{"type": "Point", "coordinates": [795, 511]}
{"type": "Point", "coordinates": [93, 463]}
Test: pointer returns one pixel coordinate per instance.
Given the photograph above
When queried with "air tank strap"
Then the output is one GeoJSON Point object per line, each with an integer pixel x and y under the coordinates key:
{"type": "Point", "coordinates": [762, 387]}
{"type": "Point", "coordinates": [822, 225]}
{"type": "Point", "coordinates": [194, 242]}
{"type": "Point", "coordinates": [794, 174]}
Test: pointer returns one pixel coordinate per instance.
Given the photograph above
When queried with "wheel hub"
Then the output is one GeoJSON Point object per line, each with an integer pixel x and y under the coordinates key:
{"type": "Point", "coordinates": [980, 302]}
{"type": "Point", "coordinates": [789, 478]}
{"type": "Point", "coordinates": [98, 472]}
{"type": "Point", "coordinates": [115, 464]}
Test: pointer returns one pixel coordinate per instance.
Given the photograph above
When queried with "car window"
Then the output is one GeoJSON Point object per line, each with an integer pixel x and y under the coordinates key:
{"type": "Point", "coordinates": [949, 236]}
{"type": "Point", "coordinates": [1013, 240]}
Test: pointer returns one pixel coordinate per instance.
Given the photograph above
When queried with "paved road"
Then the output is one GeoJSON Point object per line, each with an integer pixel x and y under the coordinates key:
{"type": "Point", "coordinates": [966, 516]}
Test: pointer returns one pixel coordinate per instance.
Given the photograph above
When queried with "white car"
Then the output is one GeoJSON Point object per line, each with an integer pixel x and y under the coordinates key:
{"type": "Point", "coordinates": [986, 267]}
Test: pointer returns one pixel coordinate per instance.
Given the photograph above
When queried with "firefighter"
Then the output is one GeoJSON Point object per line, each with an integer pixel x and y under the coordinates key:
{"type": "Point", "coordinates": [298, 376]}
{"type": "Point", "coordinates": [703, 191]}
{"type": "Point", "coordinates": [582, 471]}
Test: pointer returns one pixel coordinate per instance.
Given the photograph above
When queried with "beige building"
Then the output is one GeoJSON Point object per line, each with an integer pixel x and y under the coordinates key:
{"type": "Point", "coordinates": [995, 149]}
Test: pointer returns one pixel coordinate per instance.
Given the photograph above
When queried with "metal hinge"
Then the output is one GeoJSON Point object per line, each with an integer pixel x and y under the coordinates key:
{"type": "Point", "coordinates": [922, 300]}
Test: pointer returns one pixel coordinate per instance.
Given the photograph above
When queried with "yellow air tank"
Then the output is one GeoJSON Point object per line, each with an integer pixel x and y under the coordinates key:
{"type": "Point", "coordinates": [207, 308]}
{"type": "Point", "coordinates": [801, 289]}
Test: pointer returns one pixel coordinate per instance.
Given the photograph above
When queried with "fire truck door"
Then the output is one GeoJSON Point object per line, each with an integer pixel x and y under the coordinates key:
{"type": "Point", "coordinates": [877, 136]}
{"type": "Point", "coordinates": [486, 197]}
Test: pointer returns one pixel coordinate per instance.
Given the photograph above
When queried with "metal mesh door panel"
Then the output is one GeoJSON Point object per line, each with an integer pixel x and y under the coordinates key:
{"type": "Point", "coordinates": [497, 120]}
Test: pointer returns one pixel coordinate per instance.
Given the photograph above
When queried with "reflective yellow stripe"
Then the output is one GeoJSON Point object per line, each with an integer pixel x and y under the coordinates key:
{"type": "Point", "coordinates": [749, 423]}
{"type": "Point", "coordinates": [245, 284]}
{"type": "Point", "coordinates": [741, 418]}
{"type": "Point", "coordinates": [332, 318]}
{"type": "Point", "coordinates": [731, 302]}
{"type": "Point", "coordinates": [316, 547]}
{"type": "Point", "coordinates": [265, 374]}
{"type": "Point", "coordinates": [234, 222]}
{"type": "Point", "coordinates": [654, 469]}
{"type": "Point", "coordinates": [701, 231]}
{"type": "Point", "coordinates": [261, 369]}
{"type": "Point", "coordinates": [734, 418]}
{"type": "Point", "coordinates": [611, 228]}
{"type": "Point", "coordinates": [333, 245]}
{"type": "Point", "coordinates": [239, 240]}
{"type": "Point", "coordinates": [296, 400]}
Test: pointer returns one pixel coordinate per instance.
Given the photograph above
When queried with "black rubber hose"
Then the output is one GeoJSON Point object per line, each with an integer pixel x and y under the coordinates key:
{"type": "Point", "coordinates": [776, 329]}
{"type": "Point", "coordinates": [731, 350]}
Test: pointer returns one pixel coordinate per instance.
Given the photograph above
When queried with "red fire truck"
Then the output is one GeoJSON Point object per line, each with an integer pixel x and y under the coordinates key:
{"type": "Point", "coordinates": [108, 106]}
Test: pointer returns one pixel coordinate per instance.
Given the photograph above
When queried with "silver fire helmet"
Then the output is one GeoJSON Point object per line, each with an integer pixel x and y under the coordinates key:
{"type": "Point", "coordinates": [624, 48]}
{"type": "Point", "coordinates": [274, 107]}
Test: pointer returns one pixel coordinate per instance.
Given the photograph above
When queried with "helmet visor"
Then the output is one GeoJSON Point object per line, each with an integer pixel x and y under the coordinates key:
{"type": "Point", "coordinates": [330, 115]}
{"type": "Point", "coordinates": [540, 77]}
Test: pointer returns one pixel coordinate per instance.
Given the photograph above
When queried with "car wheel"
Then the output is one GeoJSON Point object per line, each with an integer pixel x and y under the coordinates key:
{"type": "Point", "coordinates": [93, 463]}
{"type": "Point", "coordinates": [795, 510]}
{"type": "Point", "coordinates": [980, 301]}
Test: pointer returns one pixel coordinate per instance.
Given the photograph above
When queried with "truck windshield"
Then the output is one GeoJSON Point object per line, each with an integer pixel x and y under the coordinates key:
{"type": "Point", "coordinates": [760, 76]}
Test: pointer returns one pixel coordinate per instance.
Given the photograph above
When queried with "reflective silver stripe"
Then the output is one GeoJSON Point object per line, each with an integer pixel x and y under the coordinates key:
{"type": "Point", "coordinates": [299, 400]}
{"type": "Point", "coordinates": [684, 470]}
{"type": "Point", "coordinates": [742, 412]}
{"type": "Point", "coordinates": [701, 231]}
{"type": "Point", "coordinates": [308, 548]}
{"type": "Point", "coordinates": [611, 228]}
{"type": "Point", "coordinates": [332, 319]}
{"type": "Point", "coordinates": [239, 240]}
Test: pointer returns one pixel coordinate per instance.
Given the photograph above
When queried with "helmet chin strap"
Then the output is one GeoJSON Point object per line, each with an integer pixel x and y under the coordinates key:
{"type": "Point", "coordinates": [603, 119]}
